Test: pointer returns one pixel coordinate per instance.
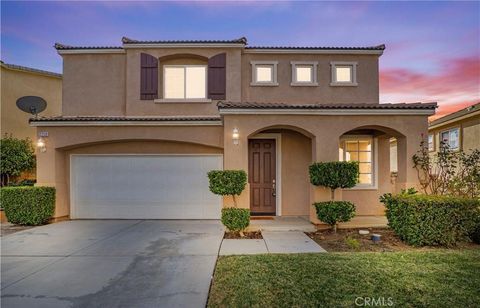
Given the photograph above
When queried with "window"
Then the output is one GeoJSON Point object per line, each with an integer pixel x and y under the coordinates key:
{"type": "Point", "coordinates": [431, 145]}
{"type": "Point", "coordinates": [184, 81]}
{"type": "Point", "coordinates": [452, 138]}
{"type": "Point", "coordinates": [344, 73]}
{"type": "Point", "coordinates": [264, 73]}
{"type": "Point", "coordinates": [304, 73]}
{"type": "Point", "coordinates": [359, 149]}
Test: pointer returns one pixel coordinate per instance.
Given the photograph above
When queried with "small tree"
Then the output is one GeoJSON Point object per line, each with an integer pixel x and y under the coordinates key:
{"type": "Point", "coordinates": [337, 174]}
{"type": "Point", "coordinates": [334, 175]}
{"type": "Point", "coordinates": [231, 183]}
{"type": "Point", "coordinates": [17, 156]}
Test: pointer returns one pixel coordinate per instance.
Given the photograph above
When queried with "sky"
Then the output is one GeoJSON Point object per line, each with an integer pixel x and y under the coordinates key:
{"type": "Point", "coordinates": [432, 48]}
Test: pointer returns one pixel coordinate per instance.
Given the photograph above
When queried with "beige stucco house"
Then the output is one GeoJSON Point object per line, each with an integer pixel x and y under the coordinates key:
{"type": "Point", "coordinates": [144, 122]}
{"type": "Point", "coordinates": [18, 81]}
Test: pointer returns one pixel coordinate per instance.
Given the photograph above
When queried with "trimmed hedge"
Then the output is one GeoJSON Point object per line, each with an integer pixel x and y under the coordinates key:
{"type": "Point", "coordinates": [28, 205]}
{"type": "Point", "coordinates": [422, 220]}
{"type": "Point", "coordinates": [235, 219]}
{"type": "Point", "coordinates": [227, 182]}
{"type": "Point", "coordinates": [335, 174]}
{"type": "Point", "coordinates": [333, 212]}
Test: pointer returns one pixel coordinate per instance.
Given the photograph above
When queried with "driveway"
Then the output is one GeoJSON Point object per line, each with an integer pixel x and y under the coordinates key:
{"type": "Point", "coordinates": [110, 263]}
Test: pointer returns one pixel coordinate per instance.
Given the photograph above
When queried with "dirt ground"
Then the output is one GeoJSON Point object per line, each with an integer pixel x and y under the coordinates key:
{"type": "Point", "coordinates": [389, 241]}
{"type": "Point", "coordinates": [8, 228]}
{"type": "Point", "coordinates": [248, 235]}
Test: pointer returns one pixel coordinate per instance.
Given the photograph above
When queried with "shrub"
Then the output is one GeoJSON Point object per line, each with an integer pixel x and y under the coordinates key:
{"type": "Point", "coordinates": [28, 205]}
{"type": "Point", "coordinates": [337, 174]}
{"type": "Point", "coordinates": [475, 235]}
{"type": "Point", "coordinates": [227, 182]}
{"type": "Point", "coordinates": [421, 220]}
{"type": "Point", "coordinates": [17, 156]}
{"type": "Point", "coordinates": [333, 212]}
{"type": "Point", "coordinates": [236, 220]}
{"type": "Point", "coordinates": [352, 243]}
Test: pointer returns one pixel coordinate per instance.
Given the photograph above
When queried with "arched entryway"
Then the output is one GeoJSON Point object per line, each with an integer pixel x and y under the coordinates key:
{"type": "Point", "coordinates": [278, 160]}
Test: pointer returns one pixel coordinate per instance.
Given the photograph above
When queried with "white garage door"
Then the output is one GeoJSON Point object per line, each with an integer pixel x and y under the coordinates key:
{"type": "Point", "coordinates": [143, 186]}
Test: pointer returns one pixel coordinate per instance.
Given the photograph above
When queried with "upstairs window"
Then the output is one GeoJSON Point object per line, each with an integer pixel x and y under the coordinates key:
{"type": "Point", "coordinates": [264, 73]}
{"type": "Point", "coordinates": [304, 73]}
{"type": "Point", "coordinates": [359, 149]}
{"type": "Point", "coordinates": [452, 138]}
{"type": "Point", "coordinates": [344, 73]}
{"type": "Point", "coordinates": [185, 81]}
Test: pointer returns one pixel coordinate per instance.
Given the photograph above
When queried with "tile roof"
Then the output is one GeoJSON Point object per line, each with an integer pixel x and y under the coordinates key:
{"type": "Point", "coordinates": [378, 47]}
{"type": "Point", "coordinates": [124, 118]}
{"type": "Point", "coordinates": [242, 40]}
{"type": "Point", "coordinates": [59, 46]}
{"type": "Point", "coordinates": [29, 69]}
{"type": "Point", "coordinates": [457, 114]}
{"type": "Point", "coordinates": [254, 105]}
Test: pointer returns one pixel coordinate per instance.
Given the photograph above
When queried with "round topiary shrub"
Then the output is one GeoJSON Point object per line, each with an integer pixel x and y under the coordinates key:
{"type": "Point", "coordinates": [236, 220]}
{"type": "Point", "coordinates": [335, 174]}
{"type": "Point", "coordinates": [227, 182]}
{"type": "Point", "coordinates": [28, 205]}
{"type": "Point", "coordinates": [333, 212]}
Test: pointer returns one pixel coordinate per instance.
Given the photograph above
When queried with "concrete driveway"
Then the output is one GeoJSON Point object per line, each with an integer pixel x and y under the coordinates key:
{"type": "Point", "coordinates": [110, 263]}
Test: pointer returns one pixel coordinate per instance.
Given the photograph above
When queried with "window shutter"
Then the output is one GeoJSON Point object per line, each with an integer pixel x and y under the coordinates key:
{"type": "Point", "coordinates": [148, 77]}
{"type": "Point", "coordinates": [217, 76]}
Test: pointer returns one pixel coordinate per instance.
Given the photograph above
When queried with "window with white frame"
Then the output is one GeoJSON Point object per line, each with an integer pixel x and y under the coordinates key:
{"type": "Point", "coordinates": [344, 73]}
{"type": "Point", "coordinates": [264, 73]}
{"type": "Point", "coordinates": [304, 73]}
{"type": "Point", "coordinates": [353, 148]}
{"type": "Point", "coordinates": [431, 145]}
{"type": "Point", "coordinates": [184, 81]}
{"type": "Point", "coordinates": [451, 137]}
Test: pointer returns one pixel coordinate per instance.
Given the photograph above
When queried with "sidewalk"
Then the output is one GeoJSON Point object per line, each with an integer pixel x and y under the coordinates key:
{"type": "Point", "coordinates": [272, 242]}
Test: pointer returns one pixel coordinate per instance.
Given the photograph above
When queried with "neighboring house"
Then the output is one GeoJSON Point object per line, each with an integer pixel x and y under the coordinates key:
{"type": "Point", "coordinates": [460, 130]}
{"type": "Point", "coordinates": [18, 81]}
{"type": "Point", "coordinates": [144, 122]}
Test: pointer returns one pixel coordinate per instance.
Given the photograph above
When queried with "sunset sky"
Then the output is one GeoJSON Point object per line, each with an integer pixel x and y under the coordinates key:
{"type": "Point", "coordinates": [432, 54]}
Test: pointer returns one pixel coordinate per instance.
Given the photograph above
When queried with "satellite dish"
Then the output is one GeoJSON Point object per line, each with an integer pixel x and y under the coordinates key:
{"type": "Point", "coordinates": [31, 104]}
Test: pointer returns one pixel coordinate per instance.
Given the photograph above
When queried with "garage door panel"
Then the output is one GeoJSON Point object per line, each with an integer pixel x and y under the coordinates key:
{"type": "Point", "coordinates": [155, 187]}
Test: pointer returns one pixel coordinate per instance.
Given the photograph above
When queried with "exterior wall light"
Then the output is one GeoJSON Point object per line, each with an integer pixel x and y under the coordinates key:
{"type": "Point", "coordinates": [235, 136]}
{"type": "Point", "coordinates": [41, 145]}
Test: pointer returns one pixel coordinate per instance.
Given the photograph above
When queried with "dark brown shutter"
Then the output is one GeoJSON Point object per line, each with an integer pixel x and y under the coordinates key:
{"type": "Point", "coordinates": [217, 76]}
{"type": "Point", "coordinates": [148, 77]}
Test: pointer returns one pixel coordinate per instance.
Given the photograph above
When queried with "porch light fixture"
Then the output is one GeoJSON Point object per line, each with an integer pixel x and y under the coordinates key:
{"type": "Point", "coordinates": [41, 145]}
{"type": "Point", "coordinates": [235, 136]}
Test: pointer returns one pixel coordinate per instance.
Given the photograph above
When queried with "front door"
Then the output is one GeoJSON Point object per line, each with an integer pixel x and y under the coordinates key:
{"type": "Point", "coordinates": [262, 176]}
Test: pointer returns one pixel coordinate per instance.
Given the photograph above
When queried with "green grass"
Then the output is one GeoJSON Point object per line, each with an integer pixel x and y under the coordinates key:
{"type": "Point", "coordinates": [442, 278]}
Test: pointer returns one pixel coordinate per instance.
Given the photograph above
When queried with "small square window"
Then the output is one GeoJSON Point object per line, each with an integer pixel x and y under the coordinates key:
{"type": "Point", "coordinates": [264, 73]}
{"type": "Point", "coordinates": [344, 73]}
{"type": "Point", "coordinates": [451, 138]}
{"type": "Point", "coordinates": [304, 73]}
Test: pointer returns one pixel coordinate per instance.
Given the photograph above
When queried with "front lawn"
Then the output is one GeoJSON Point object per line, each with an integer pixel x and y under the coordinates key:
{"type": "Point", "coordinates": [442, 278]}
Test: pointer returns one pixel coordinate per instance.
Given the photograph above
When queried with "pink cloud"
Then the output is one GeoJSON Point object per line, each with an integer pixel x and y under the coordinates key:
{"type": "Point", "coordinates": [455, 86]}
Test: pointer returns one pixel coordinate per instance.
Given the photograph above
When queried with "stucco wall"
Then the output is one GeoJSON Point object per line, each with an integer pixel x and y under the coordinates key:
{"type": "Point", "coordinates": [367, 90]}
{"type": "Point", "coordinates": [16, 84]}
{"type": "Point", "coordinates": [94, 84]}
{"type": "Point", "coordinates": [469, 133]}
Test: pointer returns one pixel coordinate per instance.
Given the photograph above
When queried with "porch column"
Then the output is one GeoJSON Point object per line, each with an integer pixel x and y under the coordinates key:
{"type": "Point", "coordinates": [51, 172]}
{"type": "Point", "coordinates": [407, 175]}
{"type": "Point", "coordinates": [235, 157]}
{"type": "Point", "coordinates": [324, 149]}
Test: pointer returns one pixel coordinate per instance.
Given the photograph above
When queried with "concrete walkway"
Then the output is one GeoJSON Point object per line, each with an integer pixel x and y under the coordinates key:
{"type": "Point", "coordinates": [273, 242]}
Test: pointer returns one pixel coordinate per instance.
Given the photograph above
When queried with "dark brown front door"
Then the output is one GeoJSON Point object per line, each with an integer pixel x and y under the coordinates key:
{"type": "Point", "coordinates": [262, 176]}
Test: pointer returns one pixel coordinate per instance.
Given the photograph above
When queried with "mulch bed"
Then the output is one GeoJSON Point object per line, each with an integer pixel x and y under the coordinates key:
{"type": "Point", "coordinates": [256, 235]}
{"type": "Point", "coordinates": [389, 241]}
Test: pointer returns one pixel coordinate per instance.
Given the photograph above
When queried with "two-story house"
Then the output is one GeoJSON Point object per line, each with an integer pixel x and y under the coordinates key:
{"type": "Point", "coordinates": [144, 122]}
